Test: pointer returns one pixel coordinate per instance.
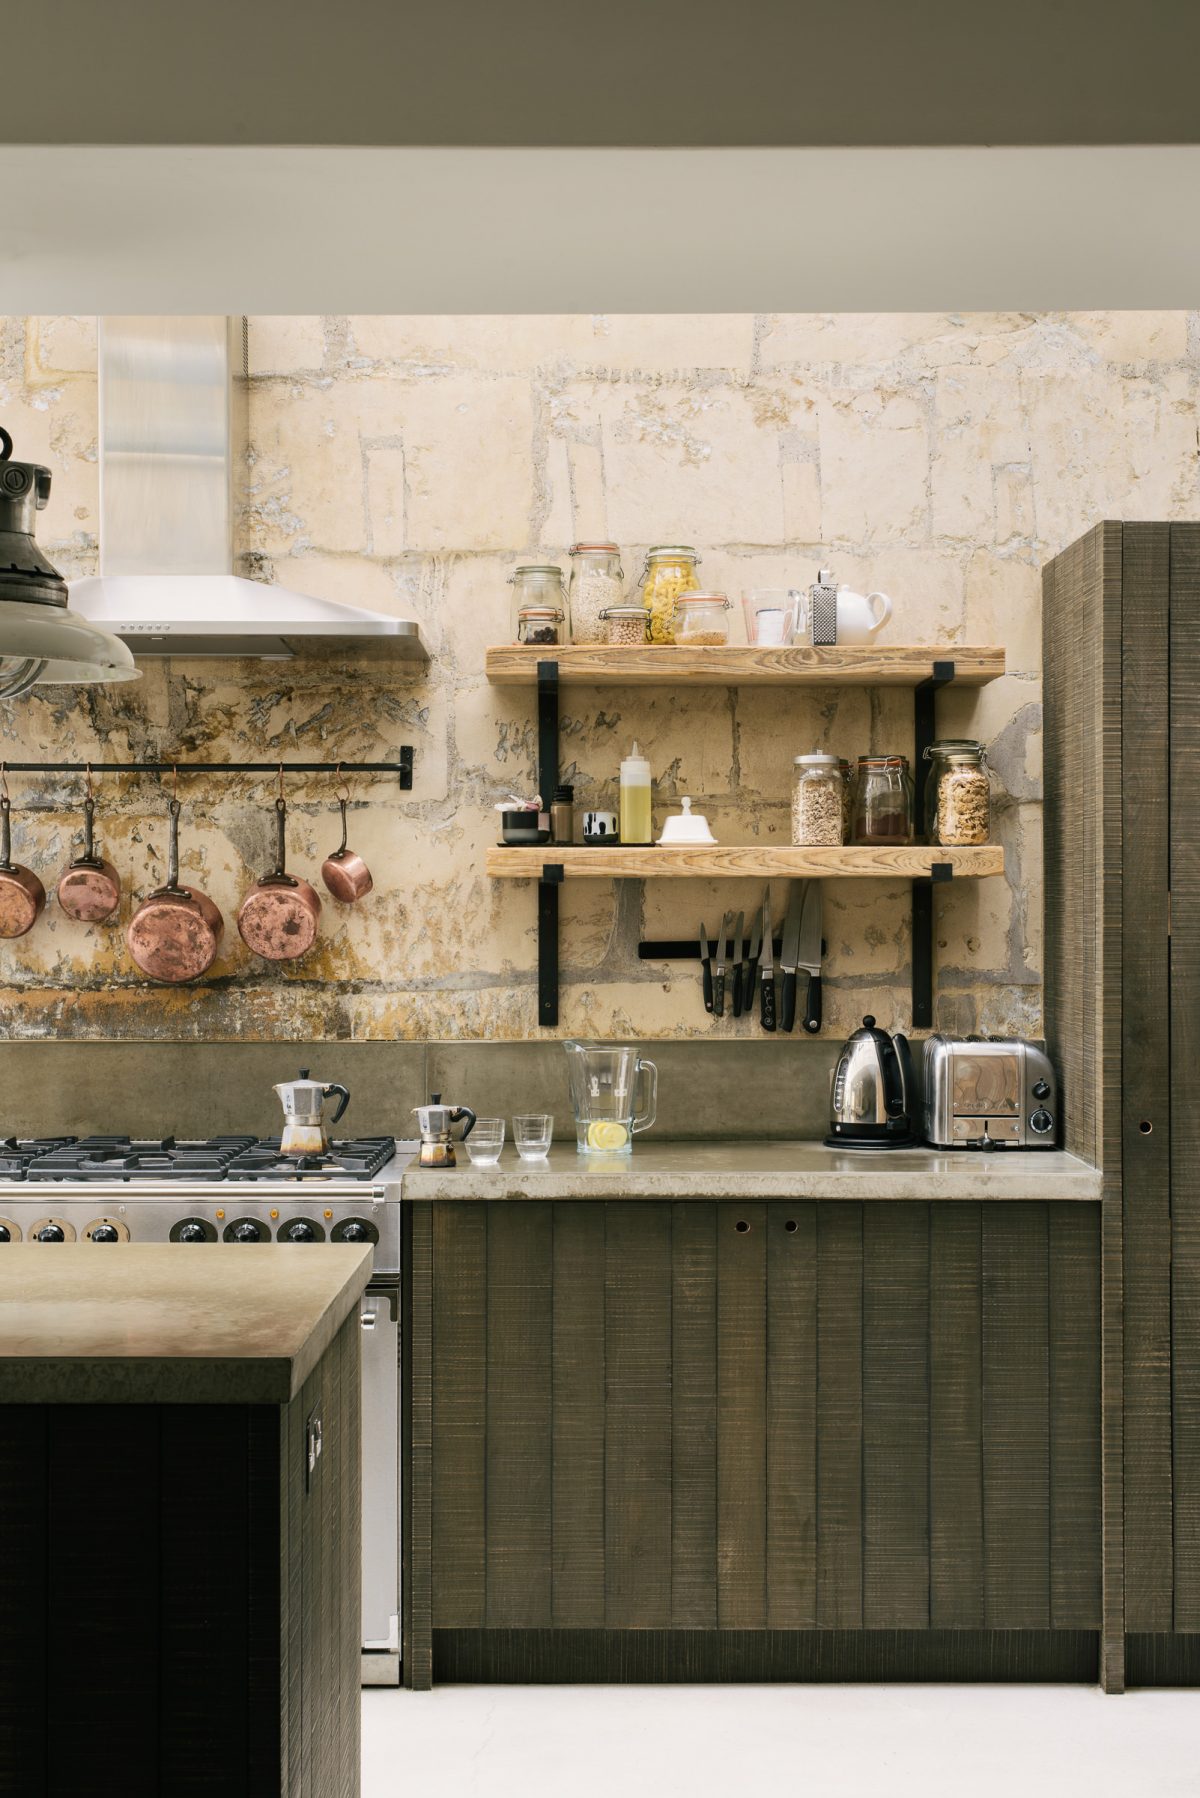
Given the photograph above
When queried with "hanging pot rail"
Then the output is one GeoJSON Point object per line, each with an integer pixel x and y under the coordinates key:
{"type": "Point", "coordinates": [402, 768]}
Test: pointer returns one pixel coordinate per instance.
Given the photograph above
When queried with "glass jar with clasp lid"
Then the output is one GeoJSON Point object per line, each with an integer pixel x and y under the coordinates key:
{"type": "Point", "coordinates": [957, 793]}
{"type": "Point", "coordinates": [539, 604]}
{"type": "Point", "coordinates": [670, 570]}
{"type": "Point", "coordinates": [883, 801]}
{"type": "Point", "coordinates": [597, 582]}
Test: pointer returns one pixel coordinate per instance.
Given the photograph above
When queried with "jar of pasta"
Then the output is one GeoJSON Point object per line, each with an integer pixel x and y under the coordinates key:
{"type": "Point", "coordinates": [669, 571]}
{"type": "Point", "coordinates": [957, 793]}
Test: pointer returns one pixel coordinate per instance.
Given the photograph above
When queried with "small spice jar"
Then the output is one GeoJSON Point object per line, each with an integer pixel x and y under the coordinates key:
{"type": "Point", "coordinates": [625, 626]}
{"type": "Point", "coordinates": [700, 619]}
{"type": "Point", "coordinates": [597, 582]}
{"type": "Point", "coordinates": [883, 801]}
{"type": "Point", "coordinates": [539, 604]}
{"type": "Point", "coordinates": [669, 571]}
{"type": "Point", "coordinates": [957, 793]}
{"type": "Point", "coordinates": [817, 791]}
{"type": "Point", "coordinates": [562, 815]}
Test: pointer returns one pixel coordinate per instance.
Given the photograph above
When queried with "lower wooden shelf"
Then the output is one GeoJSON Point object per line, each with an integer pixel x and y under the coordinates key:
{"type": "Point", "coordinates": [754, 861]}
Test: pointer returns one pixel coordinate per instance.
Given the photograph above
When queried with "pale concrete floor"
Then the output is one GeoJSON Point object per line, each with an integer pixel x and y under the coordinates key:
{"type": "Point", "coordinates": [818, 1741]}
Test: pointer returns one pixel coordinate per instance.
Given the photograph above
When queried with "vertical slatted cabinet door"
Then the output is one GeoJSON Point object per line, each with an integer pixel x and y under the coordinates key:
{"type": "Point", "coordinates": [741, 1416]}
{"type": "Point", "coordinates": [23, 1620]}
{"type": "Point", "coordinates": [1075, 1557]}
{"type": "Point", "coordinates": [895, 1374]}
{"type": "Point", "coordinates": [839, 1416]}
{"type": "Point", "coordinates": [460, 1233]}
{"type": "Point", "coordinates": [1016, 1417]}
{"type": "Point", "coordinates": [1145, 1051]}
{"type": "Point", "coordinates": [578, 1416]}
{"type": "Point", "coordinates": [520, 1249]}
{"type": "Point", "coordinates": [791, 1416]}
{"type": "Point", "coordinates": [637, 1414]}
{"type": "Point", "coordinates": [956, 1416]}
{"type": "Point", "coordinates": [694, 1415]}
{"type": "Point", "coordinates": [1185, 1059]}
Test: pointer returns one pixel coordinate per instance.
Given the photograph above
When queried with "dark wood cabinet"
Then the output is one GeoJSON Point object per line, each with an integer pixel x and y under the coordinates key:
{"type": "Point", "coordinates": [707, 1439]}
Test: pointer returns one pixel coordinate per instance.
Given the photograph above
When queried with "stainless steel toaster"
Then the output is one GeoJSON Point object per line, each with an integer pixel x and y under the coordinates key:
{"type": "Point", "coordinates": [989, 1092]}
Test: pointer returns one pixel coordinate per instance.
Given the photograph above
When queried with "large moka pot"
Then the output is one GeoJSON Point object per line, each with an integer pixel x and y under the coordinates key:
{"type": "Point", "coordinates": [303, 1104]}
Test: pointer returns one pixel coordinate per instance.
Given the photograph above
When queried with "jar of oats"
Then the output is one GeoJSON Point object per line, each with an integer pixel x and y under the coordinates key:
{"type": "Point", "coordinates": [817, 790]}
{"type": "Point", "coordinates": [669, 571]}
{"type": "Point", "coordinates": [957, 793]}
{"type": "Point", "coordinates": [597, 582]}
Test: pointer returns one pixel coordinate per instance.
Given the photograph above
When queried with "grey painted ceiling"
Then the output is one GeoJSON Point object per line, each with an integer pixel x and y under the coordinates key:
{"type": "Point", "coordinates": [636, 72]}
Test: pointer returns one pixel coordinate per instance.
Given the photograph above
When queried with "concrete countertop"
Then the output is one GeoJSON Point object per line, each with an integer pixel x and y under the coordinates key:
{"type": "Point", "coordinates": [149, 1323]}
{"type": "Point", "coordinates": [774, 1170]}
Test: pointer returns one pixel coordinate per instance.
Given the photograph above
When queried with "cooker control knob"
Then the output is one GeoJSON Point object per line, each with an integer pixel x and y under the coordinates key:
{"type": "Point", "coordinates": [1041, 1121]}
{"type": "Point", "coordinates": [300, 1231]}
{"type": "Point", "coordinates": [246, 1232]}
{"type": "Point", "coordinates": [192, 1233]}
{"type": "Point", "coordinates": [1041, 1089]}
{"type": "Point", "coordinates": [51, 1233]}
{"type": "Point", "coordinates": [355, 1232]}
{"type": "Point", "coordinates": [5, 1233]}
{"type": "Point", "coordinates": [106, 1233]}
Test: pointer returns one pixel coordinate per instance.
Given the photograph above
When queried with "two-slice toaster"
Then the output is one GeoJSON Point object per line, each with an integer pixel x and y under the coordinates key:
{"type": "Point", "coordinates": [989, 1093]}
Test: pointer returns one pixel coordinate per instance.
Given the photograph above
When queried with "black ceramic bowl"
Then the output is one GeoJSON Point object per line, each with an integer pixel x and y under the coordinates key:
{"type": "Point", "coordinates": [521, 829]}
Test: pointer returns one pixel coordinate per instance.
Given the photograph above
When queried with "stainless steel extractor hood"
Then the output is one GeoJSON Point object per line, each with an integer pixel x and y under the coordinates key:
{"type": "Point", "coordinates": [172, 468]}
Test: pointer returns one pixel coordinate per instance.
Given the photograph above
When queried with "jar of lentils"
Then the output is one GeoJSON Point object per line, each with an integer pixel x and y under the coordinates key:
{"type": "Point", "coordinates": [538, 590]}
{"type": "Point", "coordinates": [817, 790]}
{"type": "Point", "coordinates": [597, 582]}
{"type": "Point", "coordinates": [957, 793]}
{"type": "Point", "coordinates": [624, 626]}
{"type": "Point", "coordinates": [670, 570]}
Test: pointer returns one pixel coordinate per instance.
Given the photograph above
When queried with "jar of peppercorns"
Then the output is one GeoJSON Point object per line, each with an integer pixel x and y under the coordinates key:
{"type": "Point", "coordinates": [539, 604]}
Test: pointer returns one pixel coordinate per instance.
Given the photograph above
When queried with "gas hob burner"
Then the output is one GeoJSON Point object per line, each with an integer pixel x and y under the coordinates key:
{"type": "Point", "coordinates": [18, 1153]}
{"type": "Point", "coordinates": [358, 1158]}
{"type": "Point", "coordinates": [128, 1159]}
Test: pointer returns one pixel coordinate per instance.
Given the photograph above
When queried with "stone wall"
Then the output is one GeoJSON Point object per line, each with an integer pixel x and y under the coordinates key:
{"type": "Point", "coordinates": [409, 463]}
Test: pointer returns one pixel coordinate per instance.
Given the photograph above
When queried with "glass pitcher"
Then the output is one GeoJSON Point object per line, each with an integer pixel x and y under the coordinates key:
{"type": "Point", "coordinates": [604, 1085]}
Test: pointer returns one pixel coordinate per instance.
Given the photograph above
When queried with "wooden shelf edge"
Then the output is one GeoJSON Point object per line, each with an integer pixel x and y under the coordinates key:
{"type": "Point", "coordinates": [912, 862]}
{"type": "Point", "coordinates": [737, 664]}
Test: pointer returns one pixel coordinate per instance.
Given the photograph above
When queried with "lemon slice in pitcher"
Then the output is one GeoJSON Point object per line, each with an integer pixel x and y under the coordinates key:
{"type": "Point", "coordinates": [607, 1135]}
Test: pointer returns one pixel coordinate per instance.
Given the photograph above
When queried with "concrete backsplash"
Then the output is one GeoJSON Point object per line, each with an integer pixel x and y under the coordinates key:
{"type": "Point", "coordinates": [409, 464]}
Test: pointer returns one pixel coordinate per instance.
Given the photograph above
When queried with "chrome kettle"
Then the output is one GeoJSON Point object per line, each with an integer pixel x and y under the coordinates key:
{"type": "Point", "coordinates": [303, 1104]}
{"type": "Point", "coordinates": [873, 1095]}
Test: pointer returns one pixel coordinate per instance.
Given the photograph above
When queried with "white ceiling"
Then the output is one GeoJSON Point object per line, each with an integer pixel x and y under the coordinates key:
{"type": "Point", "coordinates": [309, 230]}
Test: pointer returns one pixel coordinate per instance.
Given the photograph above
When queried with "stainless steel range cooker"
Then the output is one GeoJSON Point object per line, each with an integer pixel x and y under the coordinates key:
{"type": "Point", "coordinates": [235, 1190]}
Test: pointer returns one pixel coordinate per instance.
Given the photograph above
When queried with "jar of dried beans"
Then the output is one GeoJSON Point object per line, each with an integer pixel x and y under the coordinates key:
{"type": "Point", "coordinates": [625, 625]}
{"type": "Point", "coordinates": [539, 604]}
{"type": "Point", "coordinates": [817, 790]}
{"type": "Point", "coordinates": [957, 793]}
{"type": "Point", "coordinates": [597, 582]}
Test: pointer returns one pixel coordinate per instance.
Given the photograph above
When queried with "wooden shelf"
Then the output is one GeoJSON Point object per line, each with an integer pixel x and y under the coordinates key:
{"type": "Point", "coordinates": [599, 665]}
{"type": "Point", "coordinates": [912, 862]}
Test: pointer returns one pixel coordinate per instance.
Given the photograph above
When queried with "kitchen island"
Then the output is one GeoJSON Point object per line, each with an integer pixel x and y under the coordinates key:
{"type": "Point", "coordinates": [754, 1411]}
{"type": "Point", "coordinates": [179, 1452]}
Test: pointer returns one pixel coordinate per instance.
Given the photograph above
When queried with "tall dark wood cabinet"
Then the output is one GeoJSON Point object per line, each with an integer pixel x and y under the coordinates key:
{"type": "Point", "coordinates": [1121, 637]}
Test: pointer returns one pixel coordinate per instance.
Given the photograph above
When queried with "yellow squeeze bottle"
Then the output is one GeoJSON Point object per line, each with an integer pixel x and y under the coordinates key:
{"type": "Point", "coordinates": [635, 822]}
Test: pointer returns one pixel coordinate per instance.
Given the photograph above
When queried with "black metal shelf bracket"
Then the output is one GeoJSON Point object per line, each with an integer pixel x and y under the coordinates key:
{"type": "Point", "coordinates": [924, 733]}
{"type": "Point", "coordinates": [552, 872]}
{"type": "Point", "coordinates": [402, 768]}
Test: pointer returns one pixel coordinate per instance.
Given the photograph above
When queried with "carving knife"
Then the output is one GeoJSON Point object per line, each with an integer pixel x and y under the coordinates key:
{"type": "Point", "coordinates": [766, 986]}
{"type": "Point", "coordinates": [706, 958]}
{"type": "Point", "coordinates": [808, 956]}
{"type": "Point", "coordinates": [751, 969]}
{"type": "Point", "coordinates": [736, 952]}
{"type": "Point", "coordinates": [719, 970]}
{"type": "Point", "coordinates": [789, 953]}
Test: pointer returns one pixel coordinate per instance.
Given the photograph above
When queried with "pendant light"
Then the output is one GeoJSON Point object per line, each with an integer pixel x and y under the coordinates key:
{"type": "Point", "coordinates": [40, 640]}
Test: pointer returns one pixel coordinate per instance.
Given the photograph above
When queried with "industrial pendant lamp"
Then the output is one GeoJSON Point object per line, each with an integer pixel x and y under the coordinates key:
{"type": "Point", "coordinates": [40, 640]}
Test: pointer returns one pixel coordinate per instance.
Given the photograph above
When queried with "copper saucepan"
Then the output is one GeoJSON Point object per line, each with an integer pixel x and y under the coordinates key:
{"type": "Point", "coordinates": [346, 875]}
{"type": "Point", "coordinates": [22, 894]}
{"type": "Point", "coordinates": [173, 935]}
{"type": "Point", "coordinates": [89, 890]}
{"type": "Point", "coordinates": [278, 916]}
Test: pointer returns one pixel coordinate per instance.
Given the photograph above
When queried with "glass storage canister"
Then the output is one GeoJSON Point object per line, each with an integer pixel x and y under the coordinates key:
{"type": "Point", "coordinates": [883, 800]}
{"type": "Point", "coordinates": [669, 571]}
{"type": "Point", "coordinates": [539, 604]}
{"type": "Point", "coordinates": [625, 626]}
{"type": "Point", "coordinates": [957, 793]}
{"type": "Point", "coordinates": [817, 791]}
{"type": "Point", "coordinates": [597, 582]}
{"type": "Point", "coordinates": [700, 619]}
{"type": "Point", "coordinates": [847, 798]}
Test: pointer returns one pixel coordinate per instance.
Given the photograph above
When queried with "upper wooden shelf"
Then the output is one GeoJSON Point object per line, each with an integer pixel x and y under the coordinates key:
{"type": "Point", "coordinates": [855, 861]}
{"type": "Point", "coordinates": [736, 664]}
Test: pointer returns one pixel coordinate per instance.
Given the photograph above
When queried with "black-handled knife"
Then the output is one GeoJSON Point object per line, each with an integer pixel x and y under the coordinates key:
{"type": "Point", "coordinates": [706, 958]}
{"type": "Point", "coordinates": [808, 955]}
{"type": "Point", "coordinates": [766, 986]}
{"type": "Point", "coordinates": [736, 952]}
{"type": "Point", "coordinates": [751, 964]}
{"type": "Point", "coordinates": [719, 970]}
{"type": "Point", "coordinates": [789, 954]}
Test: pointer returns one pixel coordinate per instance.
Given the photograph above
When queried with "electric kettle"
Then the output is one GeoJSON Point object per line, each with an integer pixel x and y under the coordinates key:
{"type": "Point", "coordinates": [303, 1114]}
{"type": "Point", "coordinates": [873, 1095]}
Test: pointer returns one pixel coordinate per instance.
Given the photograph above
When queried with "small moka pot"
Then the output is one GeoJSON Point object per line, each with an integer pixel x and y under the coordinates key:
{"type": "Point", "coordinates": [437, 1121]}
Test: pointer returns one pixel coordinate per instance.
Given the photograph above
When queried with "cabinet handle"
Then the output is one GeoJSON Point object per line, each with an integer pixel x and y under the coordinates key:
{"type": "Point", "coordinates": [742, 1227]}
{"type": "Point", "coordinates": [791, 1226]}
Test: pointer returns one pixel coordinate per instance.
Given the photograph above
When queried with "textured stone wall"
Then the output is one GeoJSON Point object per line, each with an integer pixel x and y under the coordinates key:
{"type": "Point", "coordinates": [409, 463]}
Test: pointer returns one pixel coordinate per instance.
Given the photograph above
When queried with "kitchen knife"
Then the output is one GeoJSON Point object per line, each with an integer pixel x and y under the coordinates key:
{"type": "Point", "coordinates": [706, 958]}
{"type": "Point", "coordinates": [788, 954]}
{"type": "Point", "coordinates": [809, 953]}
{"type": "Point", "coordinates": [751, 967]}
{"type": "Point", "coordinates": [719, 970]}
{"type": "Point", "coordinates": [766, 986]}
{"type": "Point", "coordinates": [736, 952]}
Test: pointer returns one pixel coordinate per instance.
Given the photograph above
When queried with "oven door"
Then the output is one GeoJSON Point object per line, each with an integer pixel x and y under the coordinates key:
{"type": "Point", "coordinates": [379, 1326]}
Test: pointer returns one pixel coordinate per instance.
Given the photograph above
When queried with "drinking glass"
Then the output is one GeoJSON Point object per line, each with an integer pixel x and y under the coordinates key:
{"type": "Point", "coordinates": [486, 1141]}
{"type": "Point", "coordinates": [532, 1135]}
{"type": "Point", "coordinates": [774, 615]}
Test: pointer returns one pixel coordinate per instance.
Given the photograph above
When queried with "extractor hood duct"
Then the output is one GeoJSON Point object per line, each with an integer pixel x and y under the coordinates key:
{"type": "Point", "coordinates": [172, 462]}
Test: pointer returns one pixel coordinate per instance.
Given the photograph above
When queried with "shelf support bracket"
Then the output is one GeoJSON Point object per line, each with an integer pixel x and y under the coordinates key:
{"type": "Point", "coordinates": [924, 733]}
{"type": "Point", "coordinates": [548, 885]}
{"type": "Point", "coordinates": [547, 692]}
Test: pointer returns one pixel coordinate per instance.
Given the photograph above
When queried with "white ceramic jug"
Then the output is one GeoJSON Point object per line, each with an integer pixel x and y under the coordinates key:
{"type": "Point", "coordinates": [859, 615]}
